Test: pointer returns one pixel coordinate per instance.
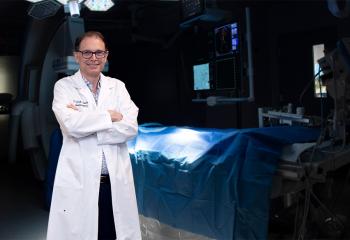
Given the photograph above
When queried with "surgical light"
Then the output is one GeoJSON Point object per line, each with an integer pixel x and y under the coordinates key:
{"type": "Point", "coordinates": [99, 5]}
{"type": "Point", "coordinates": [43, 9]}
{"type": "Point", "coordinates": [64, 2]}
{"type": "Point", "coordinates": [34, 1]}
{"type": "Point", "coordinates": [71, 6]}
{"type": "Point", "coordinates": [74, 8]}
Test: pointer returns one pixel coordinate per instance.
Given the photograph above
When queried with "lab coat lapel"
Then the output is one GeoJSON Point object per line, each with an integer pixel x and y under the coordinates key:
{"type": "Point", "coordinates": [83, 89]}
{"type": "Point", "coordinates": [105, 91]}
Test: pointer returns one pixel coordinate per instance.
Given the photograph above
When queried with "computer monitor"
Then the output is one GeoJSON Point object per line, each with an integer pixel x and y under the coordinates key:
{"type": "Point", "coordinates": [201, 76]}
{"type": "Point", "coordinates": [226, 39]}
{"type": "Point", "coordinates": [226, 74]}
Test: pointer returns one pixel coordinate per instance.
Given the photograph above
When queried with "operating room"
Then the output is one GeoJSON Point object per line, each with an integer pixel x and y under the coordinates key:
{"type": "Point", "coordinates": [242, 122]}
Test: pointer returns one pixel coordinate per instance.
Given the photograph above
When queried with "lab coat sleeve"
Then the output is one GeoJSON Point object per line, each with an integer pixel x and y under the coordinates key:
{"type": "Point", "coordinates": [127, 128]}
{"type": "Point", "coordinates": [75, 123]}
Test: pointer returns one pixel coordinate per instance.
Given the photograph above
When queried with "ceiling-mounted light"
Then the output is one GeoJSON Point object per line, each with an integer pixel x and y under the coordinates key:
{"type": "Point", "coordinates": [49, 7]}
{"type": "Point", "coordinates": [99, 5]}
{"type": "Point", "coordinates": [64, 2]}
{"type": "Point", "coordinates": [71, 6]}
{"type": "Point", "coordinates": [74, 8]}
{"type": "Point", "coordinates": [43, 9]}
{"type": "Point", "coordinates": [34, 1]}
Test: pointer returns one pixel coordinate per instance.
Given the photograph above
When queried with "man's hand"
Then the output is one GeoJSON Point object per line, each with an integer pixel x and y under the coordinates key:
{"type": "Point", "coordinates": [115, 116]}
{"type": "Point", "coordinates": [72, 106]}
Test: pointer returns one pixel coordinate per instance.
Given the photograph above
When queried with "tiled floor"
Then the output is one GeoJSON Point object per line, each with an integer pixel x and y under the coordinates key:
{"type": "Point", "coordinates": [22, 212]}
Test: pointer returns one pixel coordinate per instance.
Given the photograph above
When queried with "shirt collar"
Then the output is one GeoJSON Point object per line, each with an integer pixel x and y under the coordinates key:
{"type": "Point", "coordinates": [89, 84]}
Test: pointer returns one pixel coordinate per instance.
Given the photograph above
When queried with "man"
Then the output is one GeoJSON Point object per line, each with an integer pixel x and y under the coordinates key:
{"type": "Point", "coordinates": [94, 195]}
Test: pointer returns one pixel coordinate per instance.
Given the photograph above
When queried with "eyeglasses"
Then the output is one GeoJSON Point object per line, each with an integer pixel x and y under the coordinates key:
{"type": "Point", "coordinates": [98, 54]}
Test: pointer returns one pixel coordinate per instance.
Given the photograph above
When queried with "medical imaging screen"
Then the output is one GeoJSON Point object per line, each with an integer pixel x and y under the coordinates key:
{"type": "Point", "coordinates": [201, 77]}
{"type": "Point", "coordinates": [226, 39]}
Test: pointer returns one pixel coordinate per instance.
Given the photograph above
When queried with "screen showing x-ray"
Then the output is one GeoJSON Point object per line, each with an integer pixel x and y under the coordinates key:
{"type": "Point", "coordinates": [201, 77]}
{"type": "Point", "coordinates": [226, 39]}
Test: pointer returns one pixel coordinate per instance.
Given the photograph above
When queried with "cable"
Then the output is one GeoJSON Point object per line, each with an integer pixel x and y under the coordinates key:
{"type": "Point", "coordinates": [307, 86]}
{"type": "Point", "coordinates": [296, 217]}
{"type": "Point", "coordinates": [321, 101]}
{"type": "Point", "coordinates": [308, 187]}
{"type": "Point", "coordinates": [326, 209]}
{"type": "Point", "coordinates": [302, 229]}
{"type": "Point", "coordinates": [309, 192]}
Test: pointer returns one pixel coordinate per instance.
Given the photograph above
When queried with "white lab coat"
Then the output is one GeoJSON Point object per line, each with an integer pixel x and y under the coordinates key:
{"type": "Point", "coordinates": [86, 133]}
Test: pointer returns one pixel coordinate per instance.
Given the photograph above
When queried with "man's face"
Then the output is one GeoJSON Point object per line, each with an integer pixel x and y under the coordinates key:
{"type": "Point", "coordinates": [91, 67]}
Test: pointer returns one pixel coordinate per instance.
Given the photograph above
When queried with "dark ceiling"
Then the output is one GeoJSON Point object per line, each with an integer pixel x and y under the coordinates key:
{"type": "Point", "coordinates": [153, 15]}
{"type": "Point", "coordinates": [153, 18]}
{"type": "Point", "coordinates": [13, 19]}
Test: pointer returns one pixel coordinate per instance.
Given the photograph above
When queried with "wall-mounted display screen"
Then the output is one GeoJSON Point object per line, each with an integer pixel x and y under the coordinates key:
{"type": "Point", "coordinates": [226, 39]}
{"type": "Point", "coordinates": [201, 76]}
{"type": "Point", "coordinates": [226, 74]}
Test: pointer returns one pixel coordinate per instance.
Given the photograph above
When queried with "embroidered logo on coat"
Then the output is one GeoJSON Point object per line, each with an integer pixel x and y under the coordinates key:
{"type": "Point", "coordinates": [80, 103]}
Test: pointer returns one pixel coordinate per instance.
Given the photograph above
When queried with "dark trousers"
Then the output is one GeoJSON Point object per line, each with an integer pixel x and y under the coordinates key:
{"type": "Point", "coordinates": [106, 229]}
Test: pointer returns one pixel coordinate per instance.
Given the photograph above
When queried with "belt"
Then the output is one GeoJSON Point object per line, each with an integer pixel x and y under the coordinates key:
{"type": "Point", "coordinates": [104, 179]}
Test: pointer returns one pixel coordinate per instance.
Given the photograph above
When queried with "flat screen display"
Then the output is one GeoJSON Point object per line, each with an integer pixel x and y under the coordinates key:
{"type": "Point", "coordinates": [226, 39]}
{"type": "Point", "coordinates": [226, 74]}
{"type": "Point", "coordinates": [201, 77]}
